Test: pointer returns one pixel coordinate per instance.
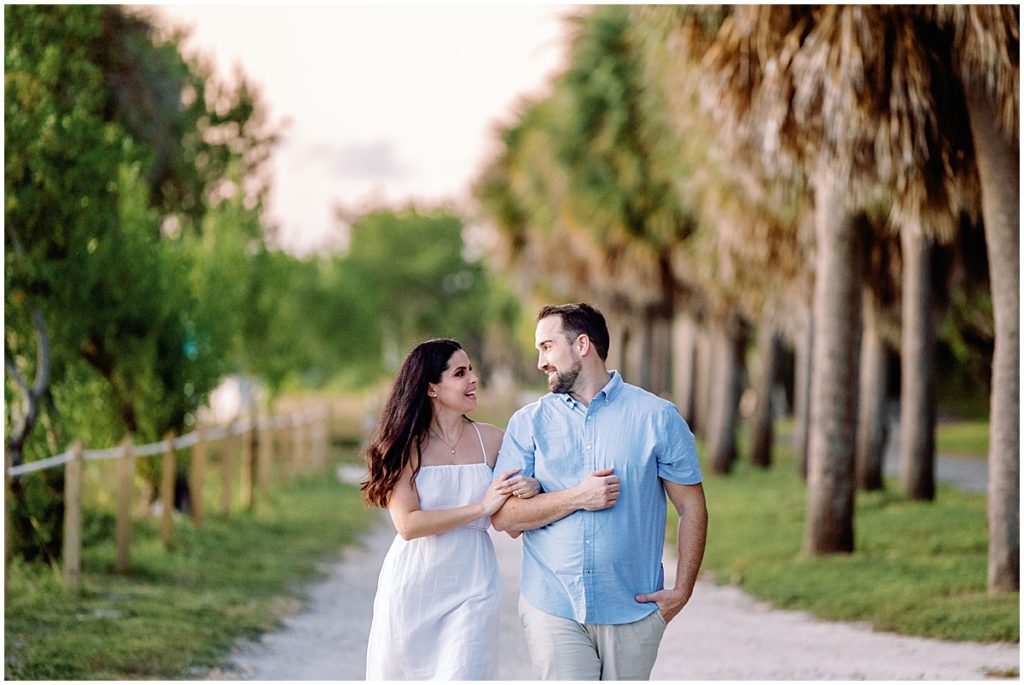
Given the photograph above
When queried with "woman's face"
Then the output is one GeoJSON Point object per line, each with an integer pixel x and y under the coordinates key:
{"type": "Point", "coordinates": [457, 387]}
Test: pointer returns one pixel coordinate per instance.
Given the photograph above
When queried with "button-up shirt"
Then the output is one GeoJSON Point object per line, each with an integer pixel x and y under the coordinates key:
{"type": "Point", "coordinates": [589, 566]}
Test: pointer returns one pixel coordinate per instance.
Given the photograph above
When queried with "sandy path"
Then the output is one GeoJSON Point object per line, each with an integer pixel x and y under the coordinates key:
{"type": "Point", "coordinates": [722, 634]}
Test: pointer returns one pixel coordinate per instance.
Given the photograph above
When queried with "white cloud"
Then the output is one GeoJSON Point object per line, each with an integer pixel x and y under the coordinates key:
{"type": "Point", "coordinates": [400, 100]}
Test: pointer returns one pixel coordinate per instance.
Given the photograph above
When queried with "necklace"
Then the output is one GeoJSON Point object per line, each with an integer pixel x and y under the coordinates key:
{"type": "Point", "coordinates": [451, 445]}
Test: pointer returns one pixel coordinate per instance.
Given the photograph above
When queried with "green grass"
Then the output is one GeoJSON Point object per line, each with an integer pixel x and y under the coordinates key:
{"type": "Point", "coordinates": [177, 613]}
{"type": "Point", "coordinates": [918, 569]}
{"type": "Point", "coordinates": [963, 438]}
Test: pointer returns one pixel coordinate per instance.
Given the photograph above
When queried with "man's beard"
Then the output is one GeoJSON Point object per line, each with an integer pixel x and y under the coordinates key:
{"type": "Point", "coordinates": [563, 383]}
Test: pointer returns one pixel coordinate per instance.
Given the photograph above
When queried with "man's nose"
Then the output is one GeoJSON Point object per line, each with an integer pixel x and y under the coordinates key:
{"type": "Point", "coordinates": [542, 363]}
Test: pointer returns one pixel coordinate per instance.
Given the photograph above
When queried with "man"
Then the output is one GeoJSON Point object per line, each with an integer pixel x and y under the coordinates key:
{"type": "Point", "coordinates": [592, 600]}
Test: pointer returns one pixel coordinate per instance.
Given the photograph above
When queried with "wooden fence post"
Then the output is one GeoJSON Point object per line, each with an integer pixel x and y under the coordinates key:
{"type": "Point", "coordinates": [226, 458]}
{"type": "Point", "coordinates": [125, 484]}
{"type": "Point", "coordinates": [248, 465]}
{"type": "Point", "coordinates": [307, 434]}
{"type": "Point", "coordinates": [72, 552]}
{"type": "Point", "coordinates": [264, 454]}
{"type": "Point", "coordinates": [315, 430]}
{"type": "Point", "coordinates": [283, 451]}
{"type": "Point", "coordinates": [326, 432]}
{"type": "Point", "coordinates": [197, 475]}
{"type": "Point", "coordinates": [297, 457]}
{"type": "Point", "coordinates": [307, 442]}
{"type": "Point", "coordinates": [320, 436]}
{"type": "Point", "coordinates": [167, 490]}
{"type": "Point", "coordinates": [8, 501]}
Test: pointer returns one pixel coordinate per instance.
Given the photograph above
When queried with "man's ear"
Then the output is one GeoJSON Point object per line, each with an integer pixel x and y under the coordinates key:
{"type": "Point", "coordinates": [583, 346]}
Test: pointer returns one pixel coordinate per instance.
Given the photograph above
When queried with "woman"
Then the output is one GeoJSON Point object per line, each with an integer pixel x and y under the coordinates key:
{"type": "Point", "coordinates": [435, 615]}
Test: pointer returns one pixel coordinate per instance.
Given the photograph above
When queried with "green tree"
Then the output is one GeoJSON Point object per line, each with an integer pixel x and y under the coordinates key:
{"type": "Point", "coordinates": [417, 281]}
{"type": "Point", "coordinates": [99, 210]}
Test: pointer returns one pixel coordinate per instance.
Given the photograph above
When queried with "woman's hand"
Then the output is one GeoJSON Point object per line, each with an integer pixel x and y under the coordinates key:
{"type": "Point", "coordinates": [498, 492]}
{"type": "Point", "coordinates": [524, 487]}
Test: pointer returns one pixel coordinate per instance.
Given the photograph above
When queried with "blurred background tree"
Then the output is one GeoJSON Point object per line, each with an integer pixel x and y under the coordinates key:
{"type": "Point", "coordinates": [141, 271]}
{"type": "Point", "coordinates": [418, 282]}
{"type": "Point", "coordinates": [814, 173]}
{"type": "Point", "coordinates": [115, 161]}
{"type": "Point", "coordinates": [693, 171]}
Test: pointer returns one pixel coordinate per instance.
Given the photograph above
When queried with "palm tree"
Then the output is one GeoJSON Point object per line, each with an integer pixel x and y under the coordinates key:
{"type": "Point", "coordinates": [684, 365]}
{"type": "Point", "coordinates": [849, 94]}
{"type": "Point", "coordinates": [578, 179]}
{"type": "Point", "coordinates": [751, 262]}
{"type": "Point", "coordinates": [761, 430]}
{"type": "Point", "coordinates": [917, 365]}
{"type": "Point", "coordinates": [881, 334]}
{"type": "Point", "coordinates": [986, 43]}
{"type": "Point", "coordinates": [862, 101]}
{"type": "Point", "coordinates": [606, 137]}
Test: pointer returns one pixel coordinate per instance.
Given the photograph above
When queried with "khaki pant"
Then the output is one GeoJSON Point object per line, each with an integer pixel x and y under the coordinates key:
{"type": "Point", "coordinates": [562, 649]}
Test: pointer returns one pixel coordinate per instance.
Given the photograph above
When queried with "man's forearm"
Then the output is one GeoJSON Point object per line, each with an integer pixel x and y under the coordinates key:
{"type": "Point", "coordinates": [690, 540]}
{"type": "Point", "coordinates": [518, 515]}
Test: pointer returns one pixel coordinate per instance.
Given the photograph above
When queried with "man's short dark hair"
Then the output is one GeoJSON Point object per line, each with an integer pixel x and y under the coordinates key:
{"type": "Point", "coordinates": [581, 319]}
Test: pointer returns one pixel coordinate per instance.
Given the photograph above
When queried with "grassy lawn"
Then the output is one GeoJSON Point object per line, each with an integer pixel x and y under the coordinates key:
{"type": "Point", "coordinates": [919, 568]}
{"type": "Point", "coordinates": [963, 438]}
{"type": "Point", "coordinates": [177, 612]}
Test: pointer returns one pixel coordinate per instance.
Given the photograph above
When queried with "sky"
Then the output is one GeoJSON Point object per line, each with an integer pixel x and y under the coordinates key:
{"type": "Point", "coordinates": [383, 104]}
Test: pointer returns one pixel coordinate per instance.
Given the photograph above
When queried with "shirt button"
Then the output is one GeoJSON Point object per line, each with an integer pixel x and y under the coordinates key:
{"type": "Point", "coordinates": [588, 447]}
{"type": "Point", "coordinates": [587, 572]}
{"type": "Point", "coordinates": [586, 542]}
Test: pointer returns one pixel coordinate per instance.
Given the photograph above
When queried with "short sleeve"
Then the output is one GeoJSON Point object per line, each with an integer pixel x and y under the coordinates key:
{"type": "Point", "coordinates": [677, 450]}
{"type": "Point", "coordinates": [517, 447]}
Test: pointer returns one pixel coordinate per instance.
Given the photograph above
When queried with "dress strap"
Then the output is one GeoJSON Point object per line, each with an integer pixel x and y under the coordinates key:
{"type": "Point", "coordinates": [483, 451]}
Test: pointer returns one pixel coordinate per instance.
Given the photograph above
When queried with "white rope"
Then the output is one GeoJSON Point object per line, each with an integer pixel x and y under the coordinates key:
{"type": "Point", "coordinates": [108, 453]}
{"type": "Point", "coordinates": [181, 442]}
{"type": "Point", "coordinates": [56, 460]}
{"type": "Point", "coordinates": [150, 449]}
{"type": "Point", "coordinates": [217, 433]}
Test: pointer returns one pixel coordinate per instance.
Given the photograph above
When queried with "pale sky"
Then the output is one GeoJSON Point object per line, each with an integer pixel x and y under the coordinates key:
{"type": "Point", "coordinates": [386, 103]}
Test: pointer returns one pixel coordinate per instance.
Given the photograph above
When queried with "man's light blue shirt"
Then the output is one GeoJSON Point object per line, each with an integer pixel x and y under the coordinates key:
{"type": "Point", "coordinates": [589, 565]}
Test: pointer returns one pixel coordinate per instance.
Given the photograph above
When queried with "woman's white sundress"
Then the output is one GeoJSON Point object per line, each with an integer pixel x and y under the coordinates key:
{"type": "Point", "coordinates": [435, 615]}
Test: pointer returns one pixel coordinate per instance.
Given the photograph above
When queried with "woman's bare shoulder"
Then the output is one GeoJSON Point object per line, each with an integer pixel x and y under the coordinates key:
{"type": "Point", "coordinates": [490, 431]}
{"type": "Point", "coordinates": [492, 436]}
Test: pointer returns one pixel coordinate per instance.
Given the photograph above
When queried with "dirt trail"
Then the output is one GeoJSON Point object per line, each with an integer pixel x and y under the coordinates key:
{"type": "Point", "coordinates": [722, 634]}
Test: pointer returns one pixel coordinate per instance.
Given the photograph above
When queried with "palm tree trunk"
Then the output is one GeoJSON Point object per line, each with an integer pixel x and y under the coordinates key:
{"type": "Point", "coordinates": [804, 353]}
{"type": "Point", "coordinates": [726, 397]}
{"type": "Point", "coordinates": [713, 387]}
{"type": "Point", "coordinates": [639, 360]}
{"type": "Point", "coordinates": [917, 364]}
{"type": "Point", "coordinates": [625, 345]}
{"type": "Point", "coordinates": [618, 343]}
{"type": "Point", "coordinates": [998, 168]}
{"type": "Point", "coordinates": [762, 435]}
{"type": "Point", "coordinates": [839, 266]}
{"type": "Point", "coordinates": [705, 377]}
{"type": "Point", "coordinates": [661, 353]}
{"type": "Point", "coordinates": [873, 415]}
{"type": "Point", "coordinates": [684, 366]}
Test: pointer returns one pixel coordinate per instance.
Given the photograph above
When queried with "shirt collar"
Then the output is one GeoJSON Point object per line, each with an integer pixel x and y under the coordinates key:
{"type": "Point", "coordinates": [610, 389]}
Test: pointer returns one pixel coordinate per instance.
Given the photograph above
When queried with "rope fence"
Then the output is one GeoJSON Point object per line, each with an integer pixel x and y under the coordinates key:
{"type": "Point", "coordinates": [295, 442]}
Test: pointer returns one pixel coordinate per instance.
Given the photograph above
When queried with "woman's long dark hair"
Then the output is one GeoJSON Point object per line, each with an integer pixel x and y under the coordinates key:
{"type": "Point", "coordinates": [405, 420]}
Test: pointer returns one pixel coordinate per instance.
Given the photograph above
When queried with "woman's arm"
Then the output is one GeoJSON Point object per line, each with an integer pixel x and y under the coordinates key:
{"type": "Point", "coordinates": [412, 522]}
{"type": "Point", "coordinates": [520, 486]}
